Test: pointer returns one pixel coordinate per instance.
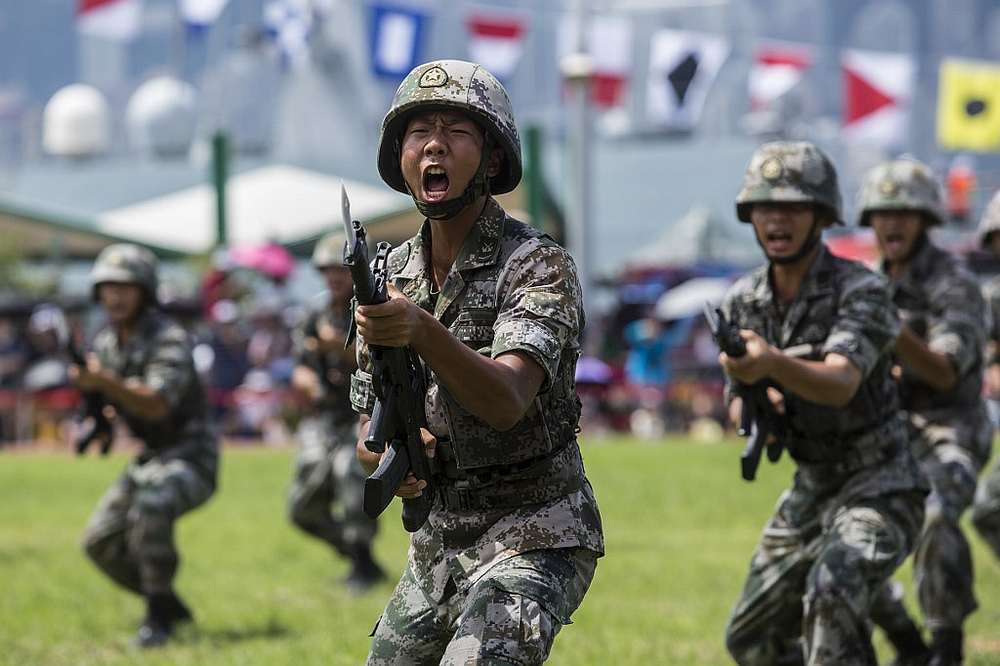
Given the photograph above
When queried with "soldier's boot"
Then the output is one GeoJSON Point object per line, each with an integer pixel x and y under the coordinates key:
{"type": "Point", "coordinates": [946, 647]}
{"type": "Point", "coordinates": [910, 647]}
{"type": "Point", "coordinates": [365, 571]}
{"type": "Point", "coordinates": [177, 609]}
{"type": "Point", "coordinates": [163, 612]}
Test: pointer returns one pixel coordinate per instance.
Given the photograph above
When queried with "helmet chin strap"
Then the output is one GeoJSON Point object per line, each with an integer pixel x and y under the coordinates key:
{"type": "Point", "coordinates": [477, 187]}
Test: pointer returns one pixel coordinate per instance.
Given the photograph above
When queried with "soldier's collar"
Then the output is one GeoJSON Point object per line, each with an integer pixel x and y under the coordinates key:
{"type": "Point", "coordinates": [815, 283]}
{"type": "Point", "coordinates": [482, 245]}
{"type": "Point", "coordinates": [818, 278]}
{"type": "Point", "coordinates": [415, 263]}
{"type": "Point", "coordinates": [480, 248]}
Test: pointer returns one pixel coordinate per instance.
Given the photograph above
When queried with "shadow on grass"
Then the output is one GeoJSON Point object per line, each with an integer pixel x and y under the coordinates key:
{"type": "Point", "coordinates": [270, 630]}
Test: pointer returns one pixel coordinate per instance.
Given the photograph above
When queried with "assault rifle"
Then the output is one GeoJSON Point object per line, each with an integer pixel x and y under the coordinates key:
{"type": "Point", "coordinates": [398, 383]}
{"type": "Point", "coordinates": [93, 409]}
{"type": "Point", "coordinates": [758, 419]}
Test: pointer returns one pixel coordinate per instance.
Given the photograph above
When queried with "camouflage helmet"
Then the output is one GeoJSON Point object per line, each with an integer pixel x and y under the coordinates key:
{"type": "Point", "coordinates": [451, 84]}
{"type": "Point", "coordinates": [903, 184]}
{"type": "Point", "coordinates": [990, 224]}
{"type": "Point", "coordinates": [329, 250]}
{"type": "Point", "coordinates": [126, 263]}
{"type": "Point", "coordinates": [792, 171]}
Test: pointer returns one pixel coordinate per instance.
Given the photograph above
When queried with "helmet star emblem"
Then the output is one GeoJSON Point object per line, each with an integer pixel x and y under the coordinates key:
{"type": "Point", "coordinates": [434, 77]}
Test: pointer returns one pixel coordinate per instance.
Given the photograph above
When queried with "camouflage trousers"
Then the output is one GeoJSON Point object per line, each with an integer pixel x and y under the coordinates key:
{"type": "Point", "coordinates": [325, 499]}
{"type": "Point", "coordinates": [813, 576]}
{"type": "Point", "coordinates": [130, 536]}
{"type": "Point", "coordinates": [986, 508]}
{"type": "Point", "coordinates": [510, 616]}
{"type": "Point", "coordinates": [951, 456]}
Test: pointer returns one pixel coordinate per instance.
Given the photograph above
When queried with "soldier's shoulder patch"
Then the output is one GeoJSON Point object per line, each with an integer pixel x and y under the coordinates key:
{"type": "Point", "coordinates": [435, 77]}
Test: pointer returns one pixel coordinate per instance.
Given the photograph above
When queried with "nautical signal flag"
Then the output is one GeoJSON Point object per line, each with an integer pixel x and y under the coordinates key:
{"type": "Point", "coordinates": [968, 114]}
{"type": "Point", "coordinates": [496, 41]}
{"type": "Point", "coordinates": [682, 67]}
{"type": "Point", "coordinates": [609, 44]}
{"type": "Point", "coordinates": [118, 20]}
{"type": "Point", "coordinates": [776, 69]}
{"type": "Point", "coordinates": [395, 40]}
{"type": "Point", "coordinates": [877, 89]}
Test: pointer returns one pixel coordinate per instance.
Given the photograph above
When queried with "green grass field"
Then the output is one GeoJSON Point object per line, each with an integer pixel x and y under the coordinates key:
{"type": "Point", "coordinates": [680, 526]}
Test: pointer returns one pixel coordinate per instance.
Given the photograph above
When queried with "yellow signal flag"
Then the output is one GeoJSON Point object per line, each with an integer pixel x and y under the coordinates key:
{"type": "Point", "coordinates": [968, 114]}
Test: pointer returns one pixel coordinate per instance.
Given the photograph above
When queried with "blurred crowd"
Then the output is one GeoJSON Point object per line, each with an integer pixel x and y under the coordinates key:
{"type": "Point", "coordinates": [244, 326]}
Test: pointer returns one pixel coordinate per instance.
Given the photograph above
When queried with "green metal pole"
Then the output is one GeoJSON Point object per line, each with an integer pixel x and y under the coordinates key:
{"type": "Point", "coordinates": [533, 173]}
{"type": "Point", "coordinates": [220, 174]}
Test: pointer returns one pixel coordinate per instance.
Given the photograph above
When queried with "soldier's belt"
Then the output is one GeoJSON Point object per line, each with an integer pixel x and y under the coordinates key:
{"type": "Point", "coordinates": [461, 495]}
{"type": "Point", "coordinates": [499, 486]}
{"type": "Point", "coordinates": [867, 450]}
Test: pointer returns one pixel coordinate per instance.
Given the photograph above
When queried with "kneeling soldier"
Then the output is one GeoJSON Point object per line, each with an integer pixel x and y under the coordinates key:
{"type": "Point", "coordinates": [142, 366]}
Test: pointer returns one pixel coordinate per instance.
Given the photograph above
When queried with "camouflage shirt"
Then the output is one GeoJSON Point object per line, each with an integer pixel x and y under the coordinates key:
{"type": "Point", "coordinates": [841, 308]}
{"type": "Point", "coordinates": [940, 300]}
{"type": "Point", "coordinates": [991, 295]}
{"type": "Point", "coordinates": [333, 370]}
{"type": "Point", "coordinates": [533, 307]}
{"type": "Point", "coordinates": [158, 354]}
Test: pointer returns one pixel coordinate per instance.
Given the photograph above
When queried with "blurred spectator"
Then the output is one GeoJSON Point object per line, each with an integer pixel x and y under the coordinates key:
{"type": "Point", "coordinates": [229, 362]}
{"type": "Point", "coordinates": [270, 346]}
{"type": "Point", "coordinates": [220, 283]}
{"type": "Point", "coordinates": [13, 354]}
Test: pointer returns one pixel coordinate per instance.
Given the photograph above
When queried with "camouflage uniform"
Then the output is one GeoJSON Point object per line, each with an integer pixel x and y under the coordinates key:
{"type": "Point", "coordinates": [327, 469]}
{"type": "Point", "coordinates": [986, 507]}
{"type": "Point", "coordinates": [131, 533]}
{"type": "Point", "coordinates": [855, 506]}
{"type": "Point", "coordinates": [511, 543]}
{"type": "Point", "coordinates": [950, 432]}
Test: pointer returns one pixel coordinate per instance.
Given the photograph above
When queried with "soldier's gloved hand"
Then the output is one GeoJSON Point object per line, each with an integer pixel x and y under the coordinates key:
{"type": "Point", "coordinates": [755, 364]}
{"type": "Point", "coordinates": [396, 323]}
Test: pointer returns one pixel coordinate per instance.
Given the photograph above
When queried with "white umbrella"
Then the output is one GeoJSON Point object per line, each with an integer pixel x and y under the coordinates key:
{"type": "Point", "coordinates": [689, 298]}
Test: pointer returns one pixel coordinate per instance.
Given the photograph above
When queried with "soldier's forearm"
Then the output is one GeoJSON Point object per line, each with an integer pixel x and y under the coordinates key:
{"type": "Point", "coordinates": [133, 397]}
{"type": "Point", "coordinates": [499, 391]}
{"type": "Point", "coordinates": [832, 381]}
{"type": "Point", "coordinates": [933, 368]}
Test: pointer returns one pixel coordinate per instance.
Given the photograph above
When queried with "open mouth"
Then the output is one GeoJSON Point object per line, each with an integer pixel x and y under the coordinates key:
{"type": "Point", "coordinates": [894, 242]}
{"type": "Point", "coordinates": [778, 241]}
{"type": "Point", "coordinates": [435, 183]}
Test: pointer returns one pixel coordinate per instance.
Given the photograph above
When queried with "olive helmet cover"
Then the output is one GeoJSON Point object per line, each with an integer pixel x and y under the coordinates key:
{"type": "Point", "coordinates": [128, 264]}
{"type": "Point", "coordinates": [903, 184]}
{"type": "Point", "coordinates": [789, 171]}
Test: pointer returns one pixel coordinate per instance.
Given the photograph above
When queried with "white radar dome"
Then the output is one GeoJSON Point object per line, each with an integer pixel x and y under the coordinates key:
{"type": "Point", "coordinates": [76, 122]}
{"type": "Point", "coordinates": [161, 116]}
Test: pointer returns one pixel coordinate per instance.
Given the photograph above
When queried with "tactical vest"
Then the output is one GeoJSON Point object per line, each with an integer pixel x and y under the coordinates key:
{"type": "Point", "coordinates": [531, 461]}
{"type": "Point", "coordinates": [824, 434]}
{"type": "Point", "coordinates": [182, 432]}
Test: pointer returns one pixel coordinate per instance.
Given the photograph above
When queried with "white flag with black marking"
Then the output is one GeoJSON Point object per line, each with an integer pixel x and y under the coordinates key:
{"type": "Point", "coordinates": [682, 67]}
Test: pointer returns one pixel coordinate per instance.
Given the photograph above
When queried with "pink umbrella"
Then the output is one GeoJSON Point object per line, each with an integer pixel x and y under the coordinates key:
{"type": "Point", "coordinates": [270, 258]}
